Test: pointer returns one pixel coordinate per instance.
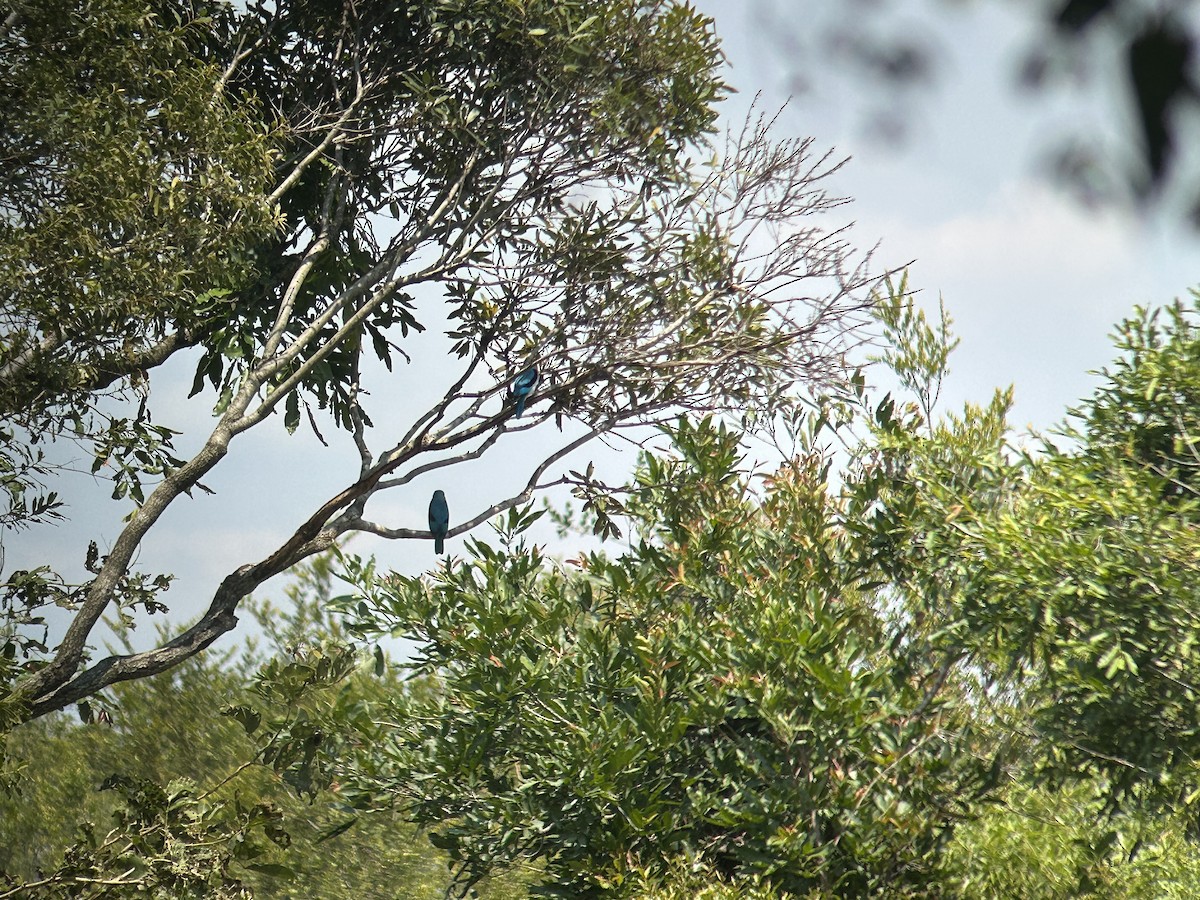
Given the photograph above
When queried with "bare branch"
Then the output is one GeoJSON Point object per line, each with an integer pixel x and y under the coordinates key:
{"type": "Point", "coordinates": [495, 509]}
{"type": "Point", "coordinates": [221, 615]}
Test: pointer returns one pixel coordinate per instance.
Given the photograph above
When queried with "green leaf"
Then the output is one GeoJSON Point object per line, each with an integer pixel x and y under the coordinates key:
{"type": "Point", "coordinates": [247, 717]}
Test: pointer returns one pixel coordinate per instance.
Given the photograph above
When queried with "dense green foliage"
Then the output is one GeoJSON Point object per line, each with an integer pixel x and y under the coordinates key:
{"type": "Point", "coordinates": [1068, 575]}
{"type": "Point", "coordinates": [1058, 844]}
{"type": "Point", "coordinates": [723, 691]}
{"type": "Point", "coordinates": [132, 195]}
{"type": "Point", "coordinates": [166, 794]}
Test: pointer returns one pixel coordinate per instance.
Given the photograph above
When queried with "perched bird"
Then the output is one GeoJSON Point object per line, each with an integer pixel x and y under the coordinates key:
{"type": "Point", "coordinates": [522, 387]}
{"type": "Point", "coordinates": [439, 520]}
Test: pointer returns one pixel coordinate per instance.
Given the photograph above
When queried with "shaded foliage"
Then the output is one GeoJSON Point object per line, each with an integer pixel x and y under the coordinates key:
{"type": "Point", "coordinates": [165, 794]}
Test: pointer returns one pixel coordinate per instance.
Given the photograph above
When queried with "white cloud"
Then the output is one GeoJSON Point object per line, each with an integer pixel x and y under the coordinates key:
{"type": "Point", "coordinates": [1030, 230]}
{"type": "Point", "coordinates": [1035, 284]}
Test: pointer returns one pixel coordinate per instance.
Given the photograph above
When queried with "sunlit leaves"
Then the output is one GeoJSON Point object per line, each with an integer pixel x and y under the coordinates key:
{"type": "Point", "coordinates": [720, 691]}
{"type": "Point", "coordinates": [1066, 573]}
{"type": "Point", "coordinates": [132, 190]}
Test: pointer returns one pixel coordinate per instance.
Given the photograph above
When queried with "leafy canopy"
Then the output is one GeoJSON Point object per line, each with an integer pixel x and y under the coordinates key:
{"type": "Point", "coordinates": [292, 192]}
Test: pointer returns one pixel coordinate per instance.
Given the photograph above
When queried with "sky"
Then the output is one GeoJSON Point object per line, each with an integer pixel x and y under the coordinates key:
{"type": "Point", "coordinates": [1034, 281]}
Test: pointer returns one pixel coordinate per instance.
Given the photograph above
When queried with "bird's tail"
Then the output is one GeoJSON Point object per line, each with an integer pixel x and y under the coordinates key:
{"type": "Point", "coordinates": [520, 406]}
{"type": "Point", "coordinates": [438, 546]}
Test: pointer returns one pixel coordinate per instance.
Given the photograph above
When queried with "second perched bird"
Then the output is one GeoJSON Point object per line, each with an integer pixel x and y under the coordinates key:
{"type": "Point", "coordinates": [523, 386]}
{"type": "Point", "coordinates": [439, 520]}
